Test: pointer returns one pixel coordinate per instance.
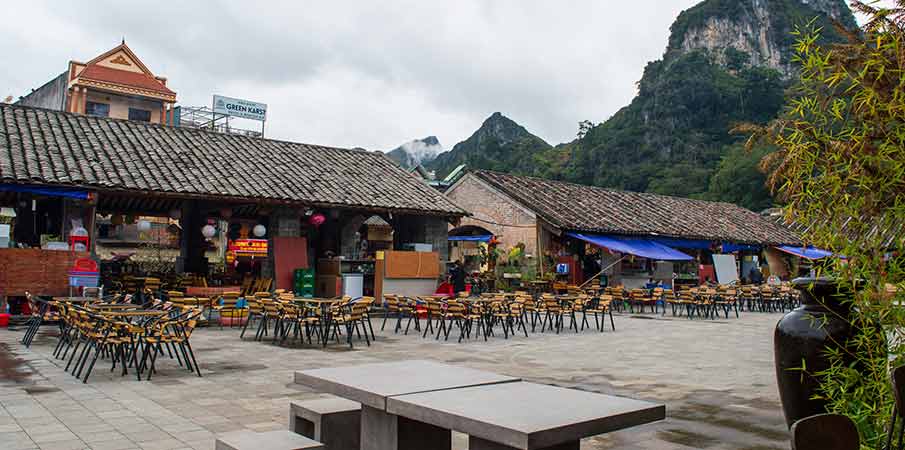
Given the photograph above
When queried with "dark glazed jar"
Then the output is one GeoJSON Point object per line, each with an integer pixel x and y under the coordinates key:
{"type": "Point", "coordinates": [804, 334]}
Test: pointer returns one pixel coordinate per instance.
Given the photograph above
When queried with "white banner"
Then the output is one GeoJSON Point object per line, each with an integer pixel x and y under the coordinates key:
{"type": "Point", "coordinates": [240, 108]}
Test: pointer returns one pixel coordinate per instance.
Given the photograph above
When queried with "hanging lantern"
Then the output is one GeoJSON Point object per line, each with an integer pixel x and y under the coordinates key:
{"type": "Point", "coordinates": [144, 225]}
{"type": "Point", "coordinates": [259, 230]}
{"type": "Point", "coordinates": [130, 219]}
{"type": "Point", "coordinates": [116, 219]}
{"type": "Point", "coordinates": [317, 220]}
{"type": "Point", "coordinates": [208, 231]}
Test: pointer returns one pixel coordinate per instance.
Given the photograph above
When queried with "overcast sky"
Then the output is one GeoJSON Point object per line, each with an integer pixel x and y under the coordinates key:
{"type": "Point", "coordinates": [370, 74]}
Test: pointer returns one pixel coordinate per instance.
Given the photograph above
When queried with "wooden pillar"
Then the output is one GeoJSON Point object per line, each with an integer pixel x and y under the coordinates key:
{"type": "Point", "coordinates": [70, 100]}
{"type": "Point", "coordinates": [82, 104]}
{"type": "Point", "coordinates": [539, 246]}
{"type": "Point", "coordinates": [92, 224]}
{"type": "Point", "coordinates": [191, 241]}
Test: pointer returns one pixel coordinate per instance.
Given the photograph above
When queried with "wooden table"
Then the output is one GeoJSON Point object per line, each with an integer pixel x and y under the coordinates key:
{"type": "Point", "coordinates": [525, 416]}
{"type": "Point", "coordinates": [140, 313]}
{"type": "Point", "coordinates": [76, 299]}
{"type": "Point", "coordinates": [373, 385]}
{"type": "Point", "coordinates": [214, 291]}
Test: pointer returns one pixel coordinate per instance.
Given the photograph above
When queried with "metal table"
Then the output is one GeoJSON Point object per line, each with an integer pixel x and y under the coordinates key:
{"type": "Point", "coordinates": [373, 385]}
{"type": "Point", "coordinates": [523, 415]}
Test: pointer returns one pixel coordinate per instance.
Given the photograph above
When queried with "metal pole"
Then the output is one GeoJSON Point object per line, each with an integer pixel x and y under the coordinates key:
{"type": "Point", "coordinates": [262, 128]}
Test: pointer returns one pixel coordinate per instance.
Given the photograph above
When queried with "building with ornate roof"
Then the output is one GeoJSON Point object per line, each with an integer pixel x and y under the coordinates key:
{"type": "Point", "coordinates": [115, 84]}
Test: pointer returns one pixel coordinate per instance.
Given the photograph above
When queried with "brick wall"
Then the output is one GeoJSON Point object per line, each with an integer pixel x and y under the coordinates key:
{"type": "Point", "coordinates": [488, 204]}
{"type": "Point", "coordinates": [41, 272]}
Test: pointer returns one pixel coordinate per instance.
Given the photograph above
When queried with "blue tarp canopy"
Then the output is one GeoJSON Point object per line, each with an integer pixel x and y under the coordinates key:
{"type": "Point", "coordinates": [482, 238]}
{"type": "Point", "coordinates": [805, 252]}
{"type": "Point", "coordinates": [729, 247]}
{"type": "Point", "coordinates": [645, 248]}
{"type": "Point", "coordinates": [46, 190]}
{"type": "Point", "coordinates": [682, 243]}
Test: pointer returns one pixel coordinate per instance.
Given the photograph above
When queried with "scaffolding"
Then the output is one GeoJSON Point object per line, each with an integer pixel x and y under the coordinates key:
{"type": "Point", "coordinates": [204, 117]}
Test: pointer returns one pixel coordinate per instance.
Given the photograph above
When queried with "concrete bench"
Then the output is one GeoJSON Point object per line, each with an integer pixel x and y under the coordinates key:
{"type": "Point", "coordinates": [271, 440]}
{"type": "Point", "coordinates": [334, 421]}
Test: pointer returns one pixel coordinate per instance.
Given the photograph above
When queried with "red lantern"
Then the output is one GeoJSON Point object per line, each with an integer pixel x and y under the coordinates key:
{"type": "Point", "coordinates": [317, 220]}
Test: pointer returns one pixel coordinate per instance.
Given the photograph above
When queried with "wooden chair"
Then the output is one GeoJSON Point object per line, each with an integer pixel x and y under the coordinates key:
{"type": "Point", "coordinates": [352, 316]}
{"type": "Point", "coordinates": [475, 314]}
{"type": "Point", "coordinates": [271, 314]}
{"type": "Point", "coordinates": [368, 302]}
{"type": "Point", "coordinates": [554, 313]}
{"type": "Point", "coordinates": [727, 300]}
{"type": "Point", "coordinates": [825, 432]}
{"type": "Point", "coordinates": [529, 308]}
{"type": "Point", "coordinates": [897, 378]}
{"type": "Point", "coordinates": [399, 307]}
{"type": "Point", "coordinates": [454, 314]}
{"type": "Point", "coordinates": [682, 303]}
{"type": "Point", "coordinates": [228, 305]}
{"type": "Point", "coordinates": [578, 307]}
{"type": "Point", "coordinates": [600, 307]}
{"type": "Point", "coordinates": [516, 318]}
{"type": "Point", "coordinates": [703, 302]}
{"type": "Point", "coordinates": [434, 313]}
{"type": "Point", "coordinates": [644, 298]}
{"type": "Point", "coordinates": [175, 333]}
{"type": "Point", "coordinates": [255, 312]}
{"type": "Point", "coordinates": [151, 288]}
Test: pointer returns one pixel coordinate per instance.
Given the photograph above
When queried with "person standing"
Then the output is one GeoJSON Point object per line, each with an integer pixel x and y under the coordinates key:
{"type": "Point", "coordinates": [457, 277]}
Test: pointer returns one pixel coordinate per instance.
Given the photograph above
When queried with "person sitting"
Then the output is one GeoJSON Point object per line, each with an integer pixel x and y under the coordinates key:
{"type": "Point", "coordinates": [755, 277]}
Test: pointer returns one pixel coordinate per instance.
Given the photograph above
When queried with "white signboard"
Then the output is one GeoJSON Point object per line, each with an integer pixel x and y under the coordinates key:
{"type": "Point", "coordinates": [726, 270]}
{"type": "Point", "coordinates": [240, 108]}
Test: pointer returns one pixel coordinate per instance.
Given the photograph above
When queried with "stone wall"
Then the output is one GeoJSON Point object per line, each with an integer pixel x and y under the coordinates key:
{"type": "Point", "coordinates": [511, 223]}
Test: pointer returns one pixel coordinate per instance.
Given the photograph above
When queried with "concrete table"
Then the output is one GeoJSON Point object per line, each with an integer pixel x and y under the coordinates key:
{"type": "Point", "coordinates": [523, 415]}
{"type": "Point", "coordinates": [373, 384]}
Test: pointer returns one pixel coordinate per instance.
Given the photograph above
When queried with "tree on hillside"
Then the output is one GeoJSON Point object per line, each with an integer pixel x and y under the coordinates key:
{"type": "Point", "coordinates": [739, 179]}
{"type": "Point", "coordinates": [841, 168]}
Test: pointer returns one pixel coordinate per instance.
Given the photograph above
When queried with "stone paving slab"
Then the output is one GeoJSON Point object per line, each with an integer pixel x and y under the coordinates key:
{"type": "Point", "coordinates": [715, 377]}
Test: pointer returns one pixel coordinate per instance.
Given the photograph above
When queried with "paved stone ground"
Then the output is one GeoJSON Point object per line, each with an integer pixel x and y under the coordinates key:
{"type": "Point", "coordinates": [716, 378]}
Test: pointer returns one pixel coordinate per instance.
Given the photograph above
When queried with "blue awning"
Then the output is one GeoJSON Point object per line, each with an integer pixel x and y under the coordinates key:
{"type": "Point", "coordinates": [729, 247]}
{"type": "Point", "coordinates": [50, 191]}
{"type": "Point", "coordinates": [682, 243]}
{"type": "Point", "coordinates": [482, 238]}
{"type": "Point", "coordinates": [634, 246]}
{"type": "Point", "coordinates": [805, 252]}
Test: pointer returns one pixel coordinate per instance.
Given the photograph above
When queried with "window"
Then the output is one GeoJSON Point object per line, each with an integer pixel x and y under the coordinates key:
{"type": "Point", "coordinates": [141, 115]}
{"type": "Point", "coordinates": [97, 109]}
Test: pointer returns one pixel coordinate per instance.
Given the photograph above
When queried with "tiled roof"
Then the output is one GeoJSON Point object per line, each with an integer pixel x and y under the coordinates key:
{"type": "Point", "coordinates": [889, 232]}
{"type": "Point", "coordinates": [40, 146]}
{"type": "Point", "coordinates": [124, 78]}
{"type": "Point", "coordinates": [592, 209]}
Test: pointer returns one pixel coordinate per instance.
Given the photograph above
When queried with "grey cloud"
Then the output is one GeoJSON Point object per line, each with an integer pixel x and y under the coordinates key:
{"type": "Point", "coordinates": [374, 74]}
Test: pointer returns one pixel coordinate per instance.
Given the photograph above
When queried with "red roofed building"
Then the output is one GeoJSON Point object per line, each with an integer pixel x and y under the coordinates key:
{"type": "Point", "coordinates": [114, 84]}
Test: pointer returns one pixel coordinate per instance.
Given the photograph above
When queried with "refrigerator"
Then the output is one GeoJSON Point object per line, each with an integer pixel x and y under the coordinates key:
{"type": "Point", "coordinates": [353, 284]}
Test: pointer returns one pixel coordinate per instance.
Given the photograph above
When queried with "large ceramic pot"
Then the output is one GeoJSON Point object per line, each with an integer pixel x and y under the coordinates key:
{"type": "Point", "coordinates": [804, 334]}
